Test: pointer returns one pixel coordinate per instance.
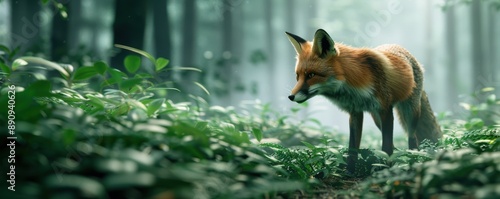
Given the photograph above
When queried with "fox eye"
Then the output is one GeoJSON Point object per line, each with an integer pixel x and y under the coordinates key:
{"type": "Point", "coordinates": [310, 75]}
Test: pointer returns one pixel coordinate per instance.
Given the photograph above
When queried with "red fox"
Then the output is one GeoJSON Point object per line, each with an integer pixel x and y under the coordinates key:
{"type": "Point", "coordinates": [362, 79]}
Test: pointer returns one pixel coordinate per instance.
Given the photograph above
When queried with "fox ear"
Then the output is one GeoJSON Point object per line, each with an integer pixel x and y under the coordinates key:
{"type": "Point", "coordinates": [296, 42]}
{"type": "Point", "coordinates": [323, 44]}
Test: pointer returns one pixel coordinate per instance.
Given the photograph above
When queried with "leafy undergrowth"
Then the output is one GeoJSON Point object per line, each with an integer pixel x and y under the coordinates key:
{"type": "Point", "coordinates": [98, 132]}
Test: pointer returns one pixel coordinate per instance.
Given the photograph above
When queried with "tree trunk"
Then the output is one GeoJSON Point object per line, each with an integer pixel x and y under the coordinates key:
{"type": "Point", "coordinates": [5, 20]}
{"type": "Point", "coordinates": [291, 15]}
{"type": "Point", "coordinates": [226, 71]}
{"type": "Point", "coordinates": [271, 74]}
{"type": "Point", "coordinates": [493, 46]}
{"type": "Point", "coordinates": [74, 30]}
{"type": "Point", "coordinates": [26, 22]}
{"type": "Point", "coordinates": [188, 47]}
{"type": "Point", "coordinates": [479, 67]}
{"type": "Point", "coordinates": [451, 50]}
{"type": "Point", "coordinates": [189, 34]}
{"type": "Point", "coordinates": [128, 28]}
{"type": "Point", "coordinates": [59, 34]}
{"type": "Point", "coordinates": [101, 30]}
{"type": "Point", "coordinates": [161, 28]}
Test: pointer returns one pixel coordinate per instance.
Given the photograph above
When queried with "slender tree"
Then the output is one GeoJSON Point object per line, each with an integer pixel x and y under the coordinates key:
{"type": "Point", "coordinates": [451, 50]}
{"type": "Point", "coordinates": [59, 34]}
{"type": "Point", "coordinates": [478, 60]}
{"type": "Point", "coordinates": [163, 44]}
{"type": "Point", "coordinates": [26, 24]}
{"type": "Point", "coordinates": [493, 43]}
{"type": "Point", "coordinates": [290, 15]}
{"type": "Point", "coordinates": [226, 71]}
{"type": "Point", "coordinates": [189, 33]}
{"type": "Point", "coordinates": [429, 24]}
{"type": "Point", "coordinates": [128, 28]}
{"type": "Point", "coordinates": [74, 25]}
{"type": "Point", "coordinates": [268, 13]}
{"type": "Point", "coordinates": [188, 45]}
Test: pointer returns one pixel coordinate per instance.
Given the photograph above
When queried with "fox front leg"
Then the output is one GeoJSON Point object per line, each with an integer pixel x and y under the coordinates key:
{"type": "Point", "coordinates": [355, 130]}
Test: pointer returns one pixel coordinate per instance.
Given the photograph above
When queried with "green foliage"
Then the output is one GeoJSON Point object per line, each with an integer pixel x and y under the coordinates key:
{"type": "Point", "coordinates": [462, 165]}
{"type": "Point", "coordinates": [125, 139]}
{"type": "Point", "coordinates": [132, 63]}
{"type": "Point", "coordinates": [484, 109]}
{"type": "Point", "coordinates": [312, 162]}
{"type": "Point", "coordinates": [452, 173]}
{"type": "Point", "coordinates": [98, 132]}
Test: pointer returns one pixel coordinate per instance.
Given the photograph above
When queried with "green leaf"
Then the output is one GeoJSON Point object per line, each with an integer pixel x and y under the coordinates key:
{"type": "Point", "coordinates": [143, 75]}
{"type": "Point", "coordinates": [98, 103]}
{"type": "Point", "coordinates": [132, 63]}
{"type": "Point", "coordinates": [120, 110]}
{"type": "Point", "coordinates": [22, 61]}
{"type": "Point", "coordinates": [141, 52]}
{"type": "Point", "coordinates": [136, 104]}
{"type": "Point", "coordinates": [308, 145]}
{"type": "Point", "coordinates": [487, 89]}
{"type": "Point", "coordinates": [84, 73]}
{"type": "Point", "coordinates": [152, 128]}
{"type": "Point", "coordinates": [5, 68]}
{"type": "Point", "coordinates": [257, 133]}
{"type": "Point", "coordinates": [185, 68]}
{"type": "Point", "coordinates": [4, 49]}
{"type": "Point", "coordinates": [18, 63]}
{"type": "Point", "coordinates": [116, 75]}
{"type": "Point", "coordinates": [491, 99]}
{"type": "Point", "coordinates": [14, 52]}
{"type": "Point", "coordinates": [125, 181]}
{"type": "Point", "coordinates": [142, 158]}
{"type": "Point", "coordinates": [161, 63]}
{"type": "Point", "coordinates": [154, 105]}
{"type": "Point", "coordinates": [129, 83]}
{"type": "Point", "coordinates": [101, 67]}
{"type": "Point", "coordinates": [89, 187]}
{"type": "Point", "coordinates": [202, 87]}
{"type": "Point", "coordinates": [474, 123]}
{"type": "Point", "coordinates": [202, 125]}
{"type": "Point", "coordinates": [380, 153]}
{"type": "Point", "coordinates": [69, 136]}
{"type": "Point", "coordinates": [466, 106]}
{"type": "Point", "coordinates": [163, 89]}
{"type": "Point", "coordinates": [227, 127]}
{"type": "Point", "coordinates": [40, 88]}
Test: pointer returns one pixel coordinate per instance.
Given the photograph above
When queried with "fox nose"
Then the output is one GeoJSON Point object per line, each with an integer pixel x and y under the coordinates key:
{"type": "Point", "coordinates": [291, 97]}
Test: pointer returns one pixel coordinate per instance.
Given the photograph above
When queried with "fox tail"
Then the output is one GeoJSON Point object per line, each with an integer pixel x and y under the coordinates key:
{"type": "Point", "coordinates": [415, 113]}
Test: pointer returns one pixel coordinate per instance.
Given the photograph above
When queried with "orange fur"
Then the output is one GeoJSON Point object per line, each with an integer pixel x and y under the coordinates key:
{"type": "Point", "coordinates": [362, 79]}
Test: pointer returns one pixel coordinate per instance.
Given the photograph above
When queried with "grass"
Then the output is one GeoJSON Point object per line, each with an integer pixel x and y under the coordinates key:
{"type": "Point", "coordinates": [97, 132]}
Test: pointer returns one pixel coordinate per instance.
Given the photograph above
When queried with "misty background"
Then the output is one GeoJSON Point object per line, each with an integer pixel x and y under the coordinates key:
{"type": "Point", "coordinates": [241, 47]}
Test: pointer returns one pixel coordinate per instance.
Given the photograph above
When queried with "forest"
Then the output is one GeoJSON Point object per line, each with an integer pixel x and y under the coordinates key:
{"type": "Point", "coordinates": [168, 99]}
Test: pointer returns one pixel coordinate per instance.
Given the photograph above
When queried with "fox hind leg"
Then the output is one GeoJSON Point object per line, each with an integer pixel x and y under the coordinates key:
{"type": "Point", "coordinates": [409, 114]}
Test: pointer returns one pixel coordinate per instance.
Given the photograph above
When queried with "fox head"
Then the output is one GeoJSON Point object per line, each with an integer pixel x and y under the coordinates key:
{"type": "Point", "coordinates": [314, 65]}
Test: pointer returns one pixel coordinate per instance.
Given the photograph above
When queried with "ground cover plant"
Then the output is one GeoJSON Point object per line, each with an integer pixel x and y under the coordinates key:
{"type": "Point", "coordinates": [98, 132]}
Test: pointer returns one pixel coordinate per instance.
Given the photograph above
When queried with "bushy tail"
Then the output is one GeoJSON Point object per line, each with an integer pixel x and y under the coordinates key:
{"type": "Point", "coordinates": [417, 118]}
{"type": "Point", "coordinates": [415, 113]}
{"type": "Point", "coordinates": [427, 126]}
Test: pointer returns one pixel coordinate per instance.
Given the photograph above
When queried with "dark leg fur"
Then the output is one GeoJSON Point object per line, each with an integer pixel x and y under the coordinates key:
{"type": "Point", "coordinates": [355, 129]}
{"type": "Point", "coordinates": [387, 121]}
